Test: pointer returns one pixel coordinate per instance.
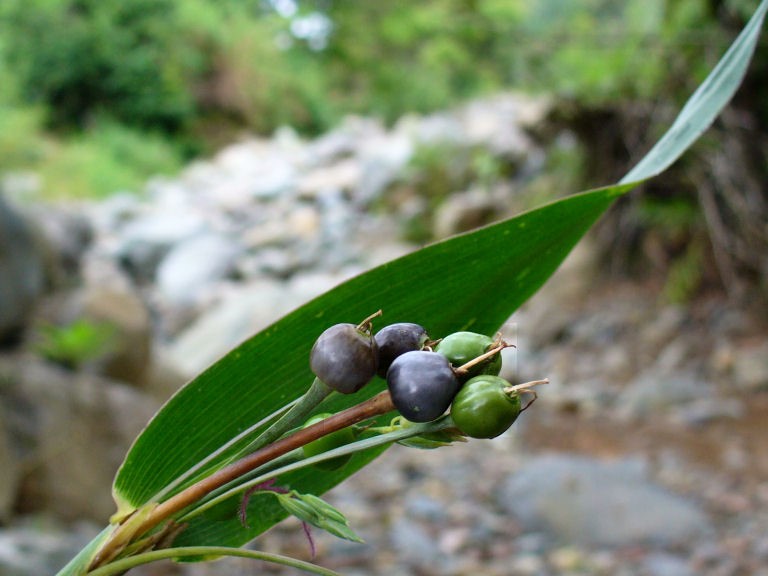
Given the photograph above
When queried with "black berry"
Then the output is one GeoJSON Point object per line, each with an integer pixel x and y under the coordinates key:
{"type": "Point", "coordinates": [422, 385]}
{"type": "Point", "coordinates": [397, 339]}
{"type": "Point", "coordinates": [344, 357]}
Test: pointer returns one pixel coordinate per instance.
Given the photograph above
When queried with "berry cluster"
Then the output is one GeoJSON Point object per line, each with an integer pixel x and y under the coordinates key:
{"type": "Point", "coordinates": [424, 377]}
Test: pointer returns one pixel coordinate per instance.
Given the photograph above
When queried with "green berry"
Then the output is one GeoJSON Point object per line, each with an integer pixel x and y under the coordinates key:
{"type": "Point", "coordinates": [328, 442]}
{"type": "Point", "coordinates": [482, 408]}
{"type": "Point", "coordinates": [462, 347]}
{"type": "Point", "coordinates": [345, 357]}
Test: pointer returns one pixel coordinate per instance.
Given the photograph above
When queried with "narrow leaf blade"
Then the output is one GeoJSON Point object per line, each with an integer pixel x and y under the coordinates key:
{"type": "Point", "coordinates": [705, 104]}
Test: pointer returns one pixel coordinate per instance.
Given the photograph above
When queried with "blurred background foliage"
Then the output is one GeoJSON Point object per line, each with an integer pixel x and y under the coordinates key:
{"type": "Point", "coordinates": [98, 95]}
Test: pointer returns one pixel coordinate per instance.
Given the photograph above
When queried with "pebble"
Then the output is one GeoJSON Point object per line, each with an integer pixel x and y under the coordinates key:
{"type": "Point", "coordinates": [596, 503]}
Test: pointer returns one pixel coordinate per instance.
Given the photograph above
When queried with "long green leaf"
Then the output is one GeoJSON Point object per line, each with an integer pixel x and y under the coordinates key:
{"type": "Point", "coordinates": [472, 281]}
{"type": "Point", "coordinates": [705, 104]}
{"type": "Point", "coordinates": [476, 281]}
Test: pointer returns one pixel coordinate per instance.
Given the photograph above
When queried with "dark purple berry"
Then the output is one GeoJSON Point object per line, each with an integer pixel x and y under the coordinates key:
{"type": "Point", "coordinates": [397, 339]}
{"type": "Point", "coordinates": [422, 385]}
{"type": "Point", "coordinates": [344, 357]}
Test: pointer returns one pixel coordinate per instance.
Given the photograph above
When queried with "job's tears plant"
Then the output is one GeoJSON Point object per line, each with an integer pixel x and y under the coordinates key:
{"type": "Point", "coordinates": [227, 457]}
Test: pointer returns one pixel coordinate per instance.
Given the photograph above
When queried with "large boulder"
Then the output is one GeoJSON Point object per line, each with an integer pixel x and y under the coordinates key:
{"type": "Point", "coordinates": [22, 272]}
{"type": "Point", "coordinates": [70, 433]}
{"type": "Point", "coordinates": [9, 473]}
{"type": "Point", "coordinates": [591, 502]}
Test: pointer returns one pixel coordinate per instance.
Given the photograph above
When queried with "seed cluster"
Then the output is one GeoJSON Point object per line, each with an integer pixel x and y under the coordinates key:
{"type": "Point", "coordinates": [425, 378]}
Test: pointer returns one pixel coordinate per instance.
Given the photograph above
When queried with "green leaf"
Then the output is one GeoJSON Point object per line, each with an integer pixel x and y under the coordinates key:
{"type": "Point", "coordinates": [472, 281]}
{"type": "Point", "coordinates": [476, 281]}
{"type": "Point", "coordinates": [316, 511]}
{"type": "Point", "coordinates": [705, 104]}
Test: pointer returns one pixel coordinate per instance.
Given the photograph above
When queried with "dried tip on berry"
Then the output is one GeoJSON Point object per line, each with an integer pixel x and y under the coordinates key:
{"type": "Point", "coordinates": [344, 357]}
{"type": "Point", "coordinates": [472, 354]}
{"type": "Point", "coordinates": [367, 324]}
{"type": "Point", "coordinates": [483, 409]}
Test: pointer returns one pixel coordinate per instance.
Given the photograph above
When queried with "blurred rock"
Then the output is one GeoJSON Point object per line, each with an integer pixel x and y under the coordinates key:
{"type": "Point", "coordinates": [464, 211]}
{"type": "Point", "coordinates": [68, 233]}
{"type": "Point", "coordinates": [127, 355]}
{"type": "Point", "coordinates": [499, 122]}
{"type": "Point", "coordinates": [703, 411]}
{"type": "Point", "coordinates": [35, 547]}
{"type": "Point", "coordinates": [245, 311]}
{"type": "Point", "coordinates": [750, 367]}
{"type": "Point", "coordinates": [70, 433]}
{"type": "Point", "coordinates": [664, 564]}
{"type": "Point", "coordinates": [193, 266]}
{"type": "Point", "coordinates": [594, 503]}
{"type": "Point", "coordinates": [417, 548]}
{"type": "Point", "coordinates": [382, 160]}
{"type": "Point", "coordinates": [22, 271]}
{"type": "Point", "coordinates": [145, 240]}
{"type": "Point", "coordinates": [655, 392]}
{"type": "Point", "coordinates": [9, 472]}
{"type": "Point", "coordinates": [343, 175]}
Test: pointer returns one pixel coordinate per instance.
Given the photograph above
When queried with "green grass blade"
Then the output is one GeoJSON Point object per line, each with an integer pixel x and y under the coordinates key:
{"type": "Point", "coordinates": [706, 103]}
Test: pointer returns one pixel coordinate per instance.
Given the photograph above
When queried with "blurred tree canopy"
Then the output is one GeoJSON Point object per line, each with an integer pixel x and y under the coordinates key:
{"type": "Point", "coordinates": [171, 65]}
{"type": "Point", "coordinates": [190, 75]}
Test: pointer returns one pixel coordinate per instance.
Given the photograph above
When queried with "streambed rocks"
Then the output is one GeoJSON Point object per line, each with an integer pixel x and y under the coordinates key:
{"type": "Point", "coordinates": [203, 260]}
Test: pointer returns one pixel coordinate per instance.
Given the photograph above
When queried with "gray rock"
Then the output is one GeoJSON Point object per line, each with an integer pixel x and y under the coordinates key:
{"type": "Point", "coordinates": [144, 241]}
{"type": "Point", "coordinates": [343, 175]}
{"type": "Point", "coordinates": [705, 410]}
{"type": "Point", "coordinates": [589, 502]}
{"type": "Point", "coordinates": [382, 160]}
{"type": "Point", "coordinates": [654, 391]}
{"type": "Point", "coordinates": [664, 564]}
{"type": "Point", "coordinates": [193, 266]}
{"type": "Point", "coordinates": [498, 122]}
{"type": "Point", "coordinates": [35, 548]}
{"type": "Point", "coordinates": [70, 433]}
{"type": "Point", "coordinates": [464, 211]}
{"type": "Point", "coordinates": [440, 129]}
{"type": "Point", "coordinates": [9, 473]}
{"type": "Point", "coordinates": [22, 271]}
{"type": "Point", "coordinates": [68, 234]}
{"type": "Point", "coordinates": [127, 355]}
{"type": "Point", "coordinates": [416, 547]}
{"type": "Point", "coordinates": [243, 313]}
{"type": "Point", "coordinates": [750, 367]}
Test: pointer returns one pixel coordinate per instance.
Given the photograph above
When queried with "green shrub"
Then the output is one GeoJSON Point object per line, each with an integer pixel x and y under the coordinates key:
{"type": "Point", "coordinates": [86, 57]}
{"type": "Point", "coordinates": [75, 344]}
{"type": "Point", "coordinates": [108, 158]}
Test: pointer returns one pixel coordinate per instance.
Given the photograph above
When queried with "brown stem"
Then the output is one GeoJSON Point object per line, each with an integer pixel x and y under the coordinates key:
{"type": "Point", "coordinates": [379, 404]}
{"type": "Point", "coordinates": [464, 368]}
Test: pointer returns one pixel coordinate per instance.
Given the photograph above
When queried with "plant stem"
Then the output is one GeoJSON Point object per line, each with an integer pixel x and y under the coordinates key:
{"type": "Point", "coordinates": [464, 368]}
{"type": "Point", "coordinates": [292, 417]}
{"type": "Point", "coordinates": [124, 564]}
{"type": "Point", "coordinates": [317, 392]}
{"type": "Point", "coordinates": [379, 404]}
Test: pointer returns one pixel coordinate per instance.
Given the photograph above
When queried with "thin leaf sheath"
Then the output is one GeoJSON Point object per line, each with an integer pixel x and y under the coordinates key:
{"type": "Point", "coordinates": [375, 406]}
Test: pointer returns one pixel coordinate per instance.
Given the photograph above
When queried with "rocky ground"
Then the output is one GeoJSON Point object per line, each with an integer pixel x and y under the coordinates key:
{"type": "Point", "coordinates": [645, 454]}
